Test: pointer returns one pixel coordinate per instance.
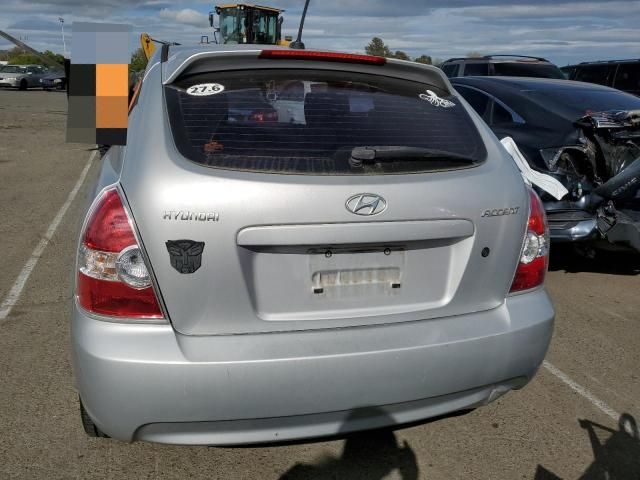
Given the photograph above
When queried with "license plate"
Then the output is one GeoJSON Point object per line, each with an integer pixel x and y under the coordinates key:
{"type": "Point", "coordinates": [356, 270]}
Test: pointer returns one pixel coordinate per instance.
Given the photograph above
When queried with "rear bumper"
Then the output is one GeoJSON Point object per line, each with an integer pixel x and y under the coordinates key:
{"type": "Point", "coordinates": [625, 231]}
{"type": "Point", "coordinates": [572, 225]}
{"type": "Point", "coordinates": [148, 383]}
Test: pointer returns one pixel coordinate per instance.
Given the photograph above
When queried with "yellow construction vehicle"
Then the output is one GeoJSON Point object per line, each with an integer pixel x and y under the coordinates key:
{"type": "Point", "coordinates": [242, 23]}
{"type": "Point", "coordinates": [148, 45]}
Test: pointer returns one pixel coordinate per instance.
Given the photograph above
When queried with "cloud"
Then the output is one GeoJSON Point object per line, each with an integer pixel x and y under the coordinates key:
{"type": "Point", "coordinates": [562, 11]}
{"type": "Point", "coordinates": [186, 16]}
{"type": "Point", "coordinates": [565, 31]}
{"type": "Point", "coordinates": [34, 25]}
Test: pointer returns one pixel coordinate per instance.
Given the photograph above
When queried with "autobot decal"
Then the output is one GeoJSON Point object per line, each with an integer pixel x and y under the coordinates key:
{"type": "Point", "coordinates": [185, 255]}
{"type": "Point", "coordinates": [435, 100]}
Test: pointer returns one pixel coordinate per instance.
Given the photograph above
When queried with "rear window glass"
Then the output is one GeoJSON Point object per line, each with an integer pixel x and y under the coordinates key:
{"type": "Point", "coordinates": [522, 69]}
{"type": "Point", "coordinates": [476, 69]}
{"type": "Point", "coordinates": [593, 74]}
{"type": "Point", "coordinates": [628, 77]}
{"type": "Point", "coordinates": [450, 70]}
{"type": "Point", "coordinates": [306, 121]}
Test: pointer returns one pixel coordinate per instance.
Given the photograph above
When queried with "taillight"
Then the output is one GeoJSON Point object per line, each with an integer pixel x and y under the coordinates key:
{"type": "Point", "coordinates": [534, 257]}
{"type": "Point", "coordinates": [261, 116]}
{"type": "Point", "coordinates": [322, 56]}
{"type": "Point", "coordinates": [113, 278]}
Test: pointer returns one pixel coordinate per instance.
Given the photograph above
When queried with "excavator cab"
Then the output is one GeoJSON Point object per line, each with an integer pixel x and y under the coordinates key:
{"type": "Point", "coordinates": [249, 24]}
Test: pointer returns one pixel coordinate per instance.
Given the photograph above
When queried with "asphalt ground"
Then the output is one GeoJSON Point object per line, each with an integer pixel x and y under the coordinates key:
{"type": "Point", "coordinates": [564, 424]}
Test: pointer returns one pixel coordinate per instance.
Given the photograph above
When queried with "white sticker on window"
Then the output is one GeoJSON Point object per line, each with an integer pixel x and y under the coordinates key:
{"type": "Point", "coordinates": [435, 100]}
{"type": "Point", "coordinates": [204, 89]}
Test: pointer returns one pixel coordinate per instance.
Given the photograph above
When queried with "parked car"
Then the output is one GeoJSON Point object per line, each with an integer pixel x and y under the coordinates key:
{"type": "Point", "coordinates": [54, 81]}
{"type": "Point", "coordinates": [621, 74]}
{"type": "Point", "coordinates": [585, 135]}
{"type": "Point", "coordinates": [501, 65]}
{"type": "Point", "coordinates": [245, 282]}
{"type": "Point", "coordinates": [21, 76]}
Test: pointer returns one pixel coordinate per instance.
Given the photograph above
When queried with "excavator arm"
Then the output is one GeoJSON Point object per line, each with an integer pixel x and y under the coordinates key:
{"type": "Point", "coordinates": [27, 48]}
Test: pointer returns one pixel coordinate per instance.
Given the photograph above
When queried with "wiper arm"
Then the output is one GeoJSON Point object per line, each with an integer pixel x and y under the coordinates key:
{"type": "Point", "coordinates": [390, 153]}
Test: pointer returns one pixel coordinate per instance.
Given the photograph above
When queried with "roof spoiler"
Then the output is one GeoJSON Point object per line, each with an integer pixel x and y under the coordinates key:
{"type": "Point", "coordinates": [187, 62]}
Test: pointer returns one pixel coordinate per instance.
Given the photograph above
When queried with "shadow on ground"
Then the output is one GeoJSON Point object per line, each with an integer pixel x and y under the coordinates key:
{"type": "Point", "coordinates": [616, 453]}
{"type": "Point", "coordinates": [369, 455]}
{"type": "Point", "coordinates": [573, 259]}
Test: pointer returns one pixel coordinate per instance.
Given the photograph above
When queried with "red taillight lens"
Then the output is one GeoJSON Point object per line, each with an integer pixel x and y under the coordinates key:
{"type": "Point", "coordinates": [117, 299]}
{"type": "Point", "coordinates": [534, 257]}
{"type": "Point", "coordinates": [323, 56]}
{"type": "Point", "coordinates": [264, 116]}
{"type": "Point", "coordinates": [113, 278]}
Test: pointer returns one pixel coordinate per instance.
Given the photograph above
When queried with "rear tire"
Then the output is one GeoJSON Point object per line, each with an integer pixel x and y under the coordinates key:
{"type": "Point", "coordinates": [23, 85]}
{"type": "Point", "coordinates": [90, 428]}
{"type": "Point", "coordinates": [103, 149]}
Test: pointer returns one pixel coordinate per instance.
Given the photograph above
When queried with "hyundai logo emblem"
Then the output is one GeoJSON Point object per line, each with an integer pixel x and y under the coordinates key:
{"type": "Point", "coordinates": [366, 204]}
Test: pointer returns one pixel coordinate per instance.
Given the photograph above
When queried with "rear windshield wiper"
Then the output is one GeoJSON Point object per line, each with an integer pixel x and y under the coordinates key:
{"type": "Point", "coordinates": [390, 153]}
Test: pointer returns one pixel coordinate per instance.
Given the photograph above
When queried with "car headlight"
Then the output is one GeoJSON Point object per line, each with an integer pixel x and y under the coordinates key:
{"type": "Point", "coordinates": [11, 79]}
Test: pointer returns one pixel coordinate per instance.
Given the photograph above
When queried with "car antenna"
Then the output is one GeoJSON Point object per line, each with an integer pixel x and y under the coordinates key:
{"type": "Point", "coordinates": [297, 44]}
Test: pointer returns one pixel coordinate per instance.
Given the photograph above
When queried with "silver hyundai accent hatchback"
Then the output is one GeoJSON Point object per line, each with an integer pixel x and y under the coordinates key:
{"type": "Point", "coordinates": [247, 274]}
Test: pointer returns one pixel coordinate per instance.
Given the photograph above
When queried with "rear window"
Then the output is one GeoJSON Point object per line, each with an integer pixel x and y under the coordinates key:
{"type": "Point", "coordinates": [522, 69]}
{"type": "Point", "coordinates": [476, 70]}
{"type": "Point", "coordinates": [628, 77]}
{"type": "Point", "coordinates": [450, 70]}
{"type": "Point", "coordinates": [593, 74]}
{"type": "Point", "coordinates": [310, 122]}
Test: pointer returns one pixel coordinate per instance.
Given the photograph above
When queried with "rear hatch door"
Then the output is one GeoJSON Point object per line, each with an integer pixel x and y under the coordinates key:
{"type": "Point", "coordinates": [383, 202]}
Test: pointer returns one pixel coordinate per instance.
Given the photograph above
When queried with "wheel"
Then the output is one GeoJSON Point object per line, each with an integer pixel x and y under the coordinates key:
{"type": "Point", "coordinates": [23, 84]}
{"type": "Point", "coordinates": [103, 149]}
{"type": "Point", "coordinates": [90, 428]}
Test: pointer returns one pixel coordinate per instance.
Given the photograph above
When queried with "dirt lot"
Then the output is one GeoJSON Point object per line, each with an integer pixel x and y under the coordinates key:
{"type": "Point", "coordinates": [563, 425]}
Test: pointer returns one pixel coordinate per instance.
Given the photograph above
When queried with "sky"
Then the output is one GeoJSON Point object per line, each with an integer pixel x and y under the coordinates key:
{"type": "Point", "coordinates": [564, 31]}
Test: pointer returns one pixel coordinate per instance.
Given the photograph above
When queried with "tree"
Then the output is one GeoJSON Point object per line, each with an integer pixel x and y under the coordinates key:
{"type": "Point", "coordinates": [474, 54]}
{"type": "Point", "coordinates": [56, 57]}
{"type": "Point", "coordinates": [401, 55]}
{"type": "Point", "coordinates": [378, 48]}
{"type": "Point", "coordinates": [138, 61]}
{"type": "Point", "coordinates": [426, 59]}
{"type": "Point", "coordinates": [18, 56]}
{"type": "Point", "coordinates": [25, 59]}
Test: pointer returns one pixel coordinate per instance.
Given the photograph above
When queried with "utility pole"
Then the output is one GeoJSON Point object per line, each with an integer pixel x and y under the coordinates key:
{"type": "Point", "coordinates": [64, 44]}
